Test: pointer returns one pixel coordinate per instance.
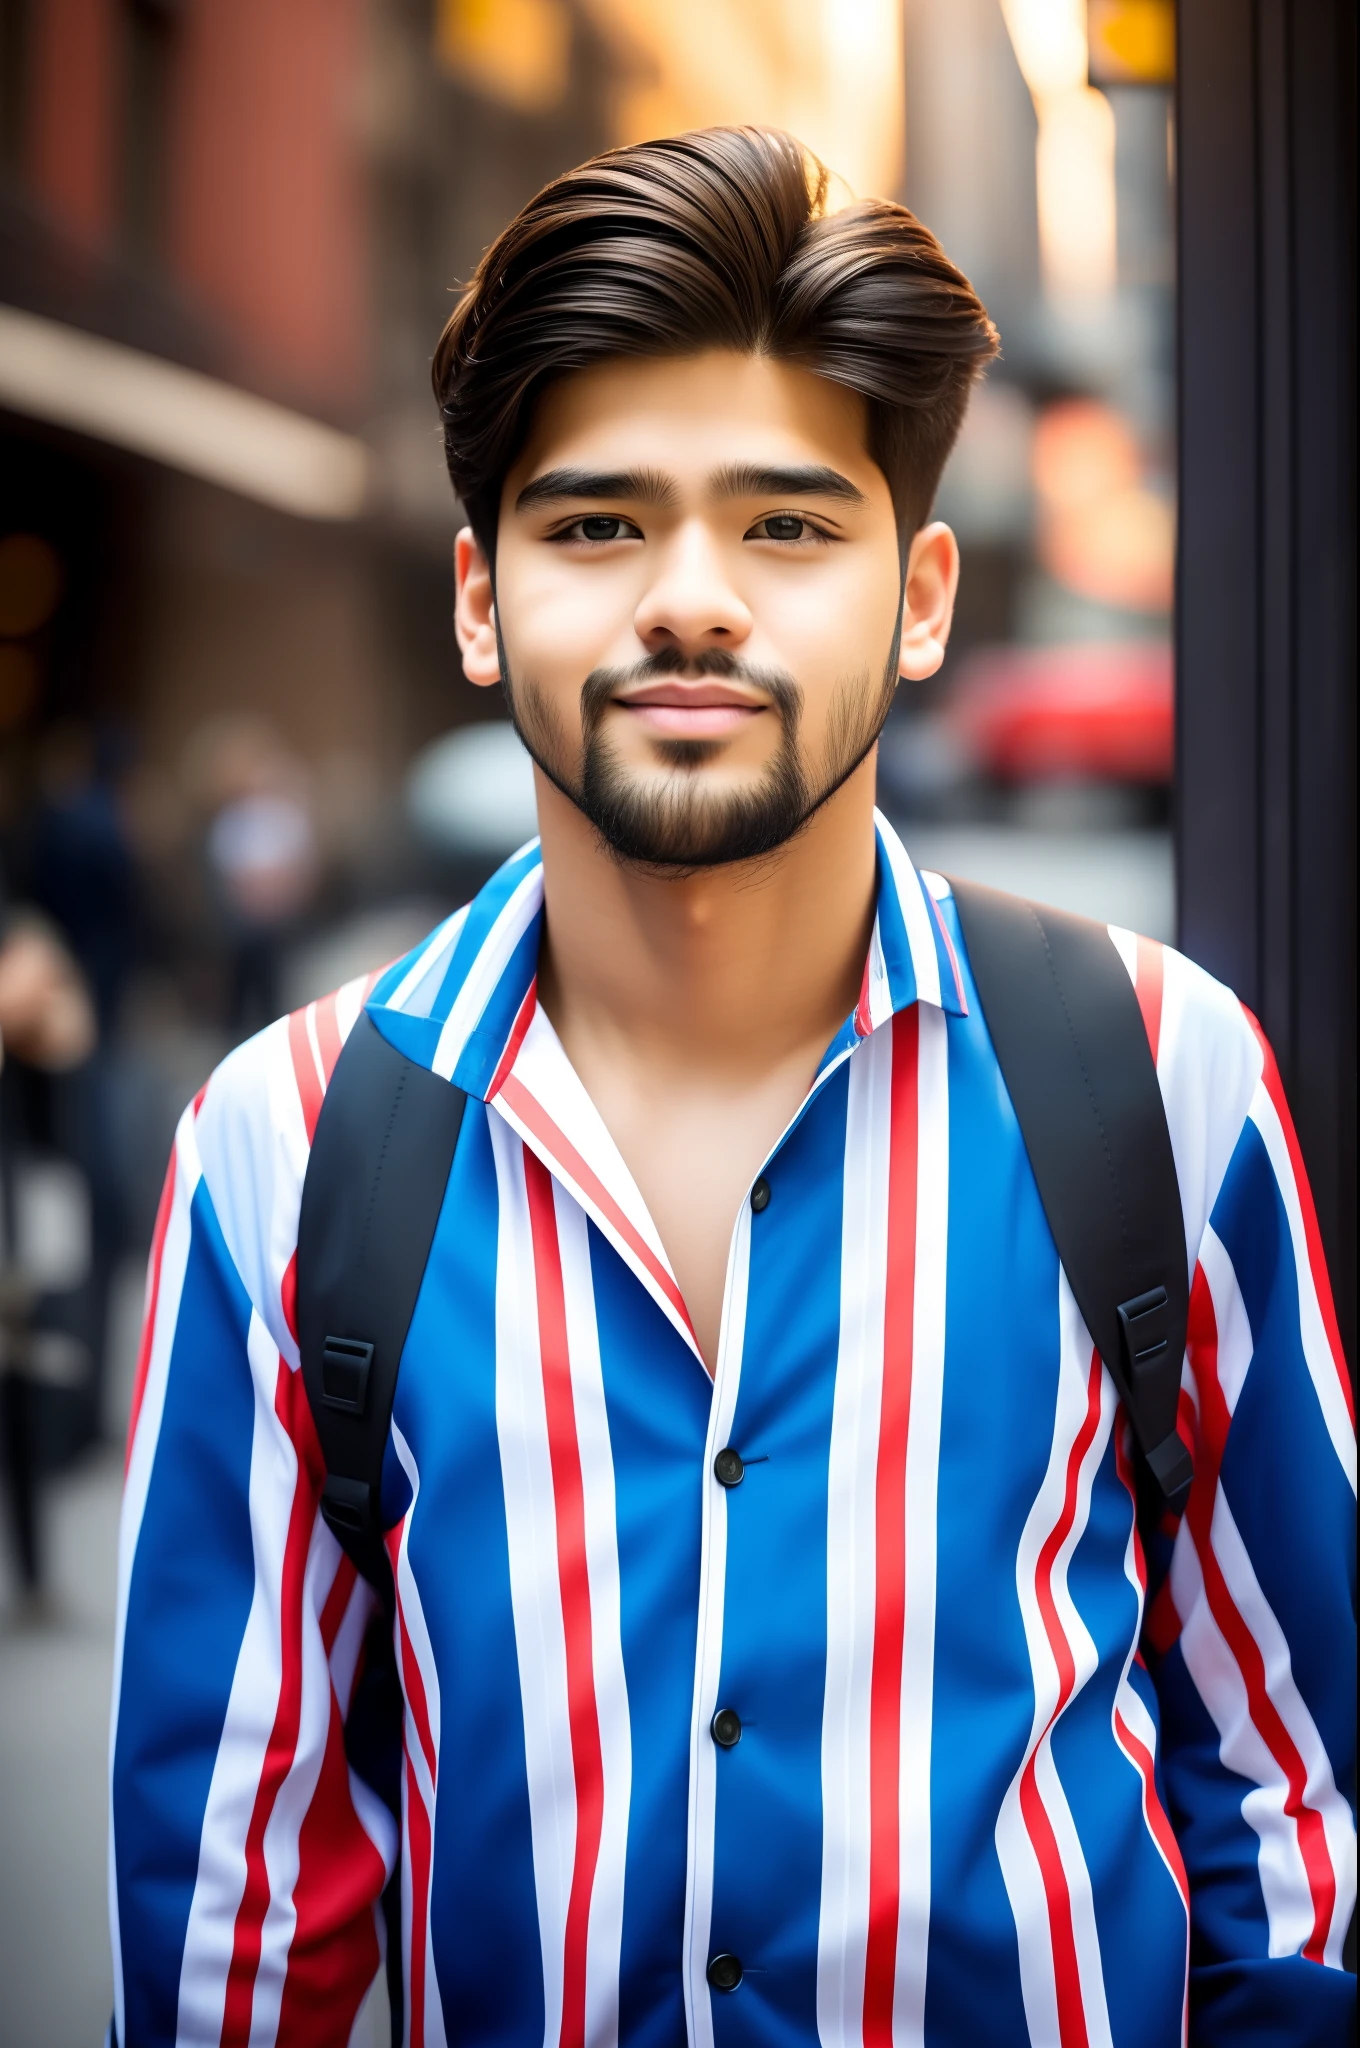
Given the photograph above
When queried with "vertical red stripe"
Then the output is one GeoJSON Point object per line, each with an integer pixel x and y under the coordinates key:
{"type": "Point", "coordinates": [333, 1955]}
{"type": "Point", "coordinates": [1155, 1814]}
{"type": "Point", "coordinates": [1199, 1514]}
{"type": "Point", "coordinates": [163, 1209]}
{"type": "Point", "coordinates": [328, 1037]}
{"type": "Point", "coordinates": [419, 1827]}
{"type": "Point", "coordinates": [1148, 988]}
{"type": "Point", "coordinates": [1139, 1753]}
{"type": "Point", "coordinates": [890, 1542]}
{"type": "Point", "coordinates": [412, 1683]}
{"type": "Point", "coordinates": [290, 1405]}
{"type": "Point", "coordinates": [337, 1600]}
{"type": "Point", "coordinates": [864, 1022]}
{"type": "Point", "coordinates": [531, 1113]}
{"type": "Point", "coordinates": [304, 1071]}
{"type": "Point", "coordinates": [569, 1501]}
{"type": "Point", "coordinates": [288, 1295]}
{"type": "Point", "coordinates": [1317, 1260]}
{"type": "Point", "coordinates": [1058, 1902]}
{"type": "Point", "coordinates": [524, 1017]}
{"type": "Point", "coordinates": [1058, 1899]}
{"type": "Point", "coordinates": [418, 1838]}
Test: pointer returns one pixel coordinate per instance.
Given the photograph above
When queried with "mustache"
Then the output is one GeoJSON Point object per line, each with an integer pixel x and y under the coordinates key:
{"type": "Point", "coordinates": [604, 684]}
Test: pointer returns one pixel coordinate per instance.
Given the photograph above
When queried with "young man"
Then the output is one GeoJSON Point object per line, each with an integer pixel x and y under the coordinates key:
{"type": "Point", "coordinates": [768, 1588]}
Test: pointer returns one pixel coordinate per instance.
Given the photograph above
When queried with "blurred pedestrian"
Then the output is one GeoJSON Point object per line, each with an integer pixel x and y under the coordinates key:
{"type": "Point", "coordinates": [260, 849]}
{"type": "Point", "coordinates": [47, 1024]}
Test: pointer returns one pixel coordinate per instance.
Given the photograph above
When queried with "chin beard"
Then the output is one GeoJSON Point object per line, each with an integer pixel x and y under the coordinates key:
{"type": "Point", "coordinates": [671, 825]}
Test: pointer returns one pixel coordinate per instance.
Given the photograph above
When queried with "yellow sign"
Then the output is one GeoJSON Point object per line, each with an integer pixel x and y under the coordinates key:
{"type": "Point", "coordinates": [514, 51]}
{"type": "Point", "coordinates": [1131, 42]}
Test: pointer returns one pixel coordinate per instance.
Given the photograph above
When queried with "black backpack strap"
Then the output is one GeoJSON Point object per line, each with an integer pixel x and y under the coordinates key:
{"type": "Point", "coordinates": [1069, 1035]}
{"type": "Point", "coordinates": [371, 1198]}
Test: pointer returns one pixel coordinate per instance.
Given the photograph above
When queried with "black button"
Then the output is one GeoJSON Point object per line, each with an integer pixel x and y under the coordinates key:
{"type": "Point", "coordinates": [728, 1469]}
{"type": "Point", "coordinates": [725, 1727]}
{"type": "Point", "coordinates": [760, 1195]}
{"type": "Point", "coordinates": [724, 1973]}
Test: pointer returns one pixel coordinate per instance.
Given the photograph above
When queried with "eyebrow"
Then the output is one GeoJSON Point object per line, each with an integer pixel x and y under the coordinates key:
{"type": "Point", "coordinates": [801, 480]}
{"type": "Point", "coordinates": [638, 486]}
{"type": "Point", "coordinates": [650, 487]}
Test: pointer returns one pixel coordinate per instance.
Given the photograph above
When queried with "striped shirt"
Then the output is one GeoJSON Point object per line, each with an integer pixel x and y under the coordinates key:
{"type": "Point", "coordinates": [1002, 1774]}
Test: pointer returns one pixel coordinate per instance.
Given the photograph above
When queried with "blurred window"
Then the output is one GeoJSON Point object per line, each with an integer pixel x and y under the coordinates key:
{"type": "Point", "coordinates": [149, 36]}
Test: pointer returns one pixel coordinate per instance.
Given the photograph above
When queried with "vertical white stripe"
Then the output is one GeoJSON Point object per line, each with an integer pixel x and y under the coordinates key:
{"type": "Point", "coordinates": [535, 1590]}
{"type": "Point", "coordinates": [843, 1924]}
{"type": "Point", "coordinates": [915, 916]}
{"type": "Point", "coordinates": [703, 1781]}
{"type": "Point", "coordinates": [427, 1779]}
{"type": "Point", "coordinates": [880, 989]}
{"type": "Point", "coordinates": [251, 1707]}
{"type": "Point", "coordinates": [254, 1147]}
{"type": "Point", "coordinates": [1020, 1867]}
{"type": "Point", "coordinates": [483, 977]}
{"type": "Point", "coordinates": [1208, 1065]}
{"type": "Point", "coordinates": [922, 1485]}
{"type": "Point", "coordinates": [605, 1938]}
{"type": "Point", "coordinates": [1317, 1348]}
{"type": "Point", "coordinates": [415, 992]}
{"type": "Point", "coordinates": [174, 1264]}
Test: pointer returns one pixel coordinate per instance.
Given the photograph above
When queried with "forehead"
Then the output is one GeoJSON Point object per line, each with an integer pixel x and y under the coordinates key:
{"type": "Point", "coordinates": [688, 415]}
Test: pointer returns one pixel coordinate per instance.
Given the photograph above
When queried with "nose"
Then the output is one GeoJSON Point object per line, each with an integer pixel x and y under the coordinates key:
{"type": "Point", "coordinates": [691, 604]}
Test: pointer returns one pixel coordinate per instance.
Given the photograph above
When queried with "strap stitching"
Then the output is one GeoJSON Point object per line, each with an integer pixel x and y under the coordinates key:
{"type": "Point", "coordinates": [378, 1169]}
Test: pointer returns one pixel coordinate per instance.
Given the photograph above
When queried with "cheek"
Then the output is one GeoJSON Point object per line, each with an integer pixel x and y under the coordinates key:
{"type": "Point", "coordinates": [559, 624]}
{"type": "Point", "coordinates": [832, 628]}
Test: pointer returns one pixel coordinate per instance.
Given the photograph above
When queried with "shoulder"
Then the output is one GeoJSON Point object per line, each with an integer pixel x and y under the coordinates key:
{"type": "Point", "coordinates": [1210, 1058]}
{"type": "Point", "coordinates": [253, 1129]}
{"type": "Point", "coordinates": [1208, 1051]}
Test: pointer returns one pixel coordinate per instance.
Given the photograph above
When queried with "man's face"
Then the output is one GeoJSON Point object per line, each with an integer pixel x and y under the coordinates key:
{"type": "Point", "coordinates": [697, 595]}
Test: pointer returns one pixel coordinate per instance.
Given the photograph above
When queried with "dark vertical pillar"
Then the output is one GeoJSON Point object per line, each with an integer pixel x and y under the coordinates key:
{"type": "Point", "coordinates": [1266, 625]}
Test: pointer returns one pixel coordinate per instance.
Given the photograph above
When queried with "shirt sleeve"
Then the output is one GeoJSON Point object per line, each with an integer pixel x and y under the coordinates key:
{"type": "Point", "coordinates": [1251, 1634]}
{"type": "Point", "coordinates": [246, 1855]}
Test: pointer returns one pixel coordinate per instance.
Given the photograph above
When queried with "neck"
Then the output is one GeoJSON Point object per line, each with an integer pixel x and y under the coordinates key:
{"type": "Point", "coordinates": [731, 969]}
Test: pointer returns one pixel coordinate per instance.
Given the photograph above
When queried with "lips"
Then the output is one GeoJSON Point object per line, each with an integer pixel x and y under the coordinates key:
{"type": "Point", "coordinates": [707, 708]}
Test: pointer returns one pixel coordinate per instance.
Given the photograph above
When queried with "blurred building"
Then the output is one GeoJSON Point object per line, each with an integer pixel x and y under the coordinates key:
{"type": "Point", "coordinates": [227, 236]}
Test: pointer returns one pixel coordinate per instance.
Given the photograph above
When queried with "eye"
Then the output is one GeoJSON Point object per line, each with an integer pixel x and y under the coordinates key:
{"type": "Point", "coordinates": [599, 527]}
{"type": "Point", "coordinates": [785, 526]}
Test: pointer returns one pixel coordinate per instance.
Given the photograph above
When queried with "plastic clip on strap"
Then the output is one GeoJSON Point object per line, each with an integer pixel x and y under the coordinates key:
{"type": "Point", "coordinates": [375, 1182]}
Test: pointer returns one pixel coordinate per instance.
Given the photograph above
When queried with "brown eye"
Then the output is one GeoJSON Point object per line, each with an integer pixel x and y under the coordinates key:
{"type": "Point", "coordinates": [784, 526]}
{"type": "Point", "coordinates": [600, 528]}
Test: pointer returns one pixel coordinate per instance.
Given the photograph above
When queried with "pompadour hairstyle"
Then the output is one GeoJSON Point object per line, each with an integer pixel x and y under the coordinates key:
{"type": "Point", "coordinates": [715, 239]}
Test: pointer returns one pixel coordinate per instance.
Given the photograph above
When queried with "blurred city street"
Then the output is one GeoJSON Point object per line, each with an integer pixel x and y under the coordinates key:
{"type": "Point", "coordinates": [54, 1710]}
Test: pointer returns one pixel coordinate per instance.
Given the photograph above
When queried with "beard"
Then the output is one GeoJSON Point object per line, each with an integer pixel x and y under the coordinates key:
{"type": "Point", "coordinates": [672, 824]}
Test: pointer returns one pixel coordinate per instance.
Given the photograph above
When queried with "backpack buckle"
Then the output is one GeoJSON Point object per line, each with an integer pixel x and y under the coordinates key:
{"type": "Point", "coordinates": [1143, 1321]}
{"type": "Point", "coordinates": [344, 1373]}
{"type": "Point", "coordinates": [346, 1506]}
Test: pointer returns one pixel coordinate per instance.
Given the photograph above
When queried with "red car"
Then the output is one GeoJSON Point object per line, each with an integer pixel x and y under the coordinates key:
{"type": "Point", "coordinates": [1102, 713]}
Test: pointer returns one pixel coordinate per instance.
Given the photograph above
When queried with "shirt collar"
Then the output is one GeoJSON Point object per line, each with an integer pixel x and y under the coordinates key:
{"type": "Point", "coordinates": [461, 1002]}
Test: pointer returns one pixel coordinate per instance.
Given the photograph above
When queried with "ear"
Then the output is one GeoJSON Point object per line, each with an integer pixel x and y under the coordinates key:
{"type": "Point", "coordinates": [928, 610]}
{"type": "Point", "coordinates": [474, 612]}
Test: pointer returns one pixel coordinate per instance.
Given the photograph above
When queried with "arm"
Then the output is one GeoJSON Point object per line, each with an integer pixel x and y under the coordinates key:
{"type": "Point", "coordinates": [1253, 1629]}
{"type": "Point", "coordinates": [245, 1856]}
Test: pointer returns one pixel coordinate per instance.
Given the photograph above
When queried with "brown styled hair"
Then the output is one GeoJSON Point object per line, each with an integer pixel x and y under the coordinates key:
{"type": "Point", "coordinates": [716, 239]}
